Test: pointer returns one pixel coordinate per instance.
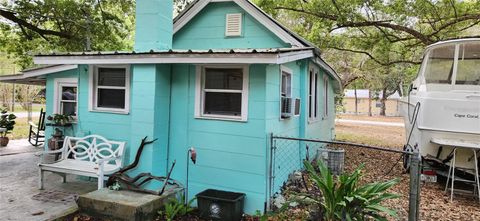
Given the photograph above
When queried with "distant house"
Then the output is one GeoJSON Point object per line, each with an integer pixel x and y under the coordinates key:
{"type": "Point", "coordinates": [221, 77]}
{"type": "Point", "coordinates": [364, 102]}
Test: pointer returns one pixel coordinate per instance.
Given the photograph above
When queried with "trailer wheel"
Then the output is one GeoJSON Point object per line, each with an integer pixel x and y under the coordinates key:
{"type": "Point", "coordinates": [406, 157]}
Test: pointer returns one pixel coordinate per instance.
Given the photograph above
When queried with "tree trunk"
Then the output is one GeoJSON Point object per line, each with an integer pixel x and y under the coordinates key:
{"type": "Point", "coordinates": [369, 102]}
{"type": "Point", "coordinates": [356, 100]}
{"type": "Point", "coordinates": [383, 102]}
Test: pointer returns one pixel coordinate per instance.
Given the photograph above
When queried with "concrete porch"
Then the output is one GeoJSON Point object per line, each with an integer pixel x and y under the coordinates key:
{"type": "Point", "coordinates": [19, 186]}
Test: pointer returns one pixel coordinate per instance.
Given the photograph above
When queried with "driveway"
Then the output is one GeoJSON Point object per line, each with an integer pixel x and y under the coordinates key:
{"type": "Point", "coordinates": [19, 181]}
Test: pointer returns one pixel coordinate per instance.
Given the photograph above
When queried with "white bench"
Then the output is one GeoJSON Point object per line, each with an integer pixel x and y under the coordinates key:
{"type": "Point", "coordinates": [90, 156]}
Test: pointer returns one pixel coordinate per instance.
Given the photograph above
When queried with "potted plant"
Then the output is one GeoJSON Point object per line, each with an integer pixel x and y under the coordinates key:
{"type": "Point", "coordinates": [7, 123]}
{"type": "Point", "coordinates": [60, 119]}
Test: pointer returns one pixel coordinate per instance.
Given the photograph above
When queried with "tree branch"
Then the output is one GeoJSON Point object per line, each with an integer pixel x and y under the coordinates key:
{"type": "Point", "coordinates": [23, 23]}
{"type": "Point", "coordinates": [375, 59]}
{"type": "Point", "coordinates": [418, 35]}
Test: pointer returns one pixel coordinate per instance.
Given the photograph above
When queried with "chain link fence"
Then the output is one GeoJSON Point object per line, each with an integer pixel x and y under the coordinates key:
{"type": "Point", "coordinates": [287, 155]}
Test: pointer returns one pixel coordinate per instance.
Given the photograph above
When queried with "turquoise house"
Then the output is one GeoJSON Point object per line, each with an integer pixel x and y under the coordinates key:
{"type": "Point", "coordinates": [221, 77]}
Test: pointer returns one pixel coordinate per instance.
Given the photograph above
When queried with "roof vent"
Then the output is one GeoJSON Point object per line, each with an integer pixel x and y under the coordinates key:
{"type": "Point", "coordinates": [234, 25]}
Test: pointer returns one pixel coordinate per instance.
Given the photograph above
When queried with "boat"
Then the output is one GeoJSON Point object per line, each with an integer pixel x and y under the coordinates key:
{"type": "Point", "coordinates": [442, 107]}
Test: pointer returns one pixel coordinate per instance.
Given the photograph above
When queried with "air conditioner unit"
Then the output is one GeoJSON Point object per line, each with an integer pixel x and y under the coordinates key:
{"type": "Point", "coordinates": [287, 109]}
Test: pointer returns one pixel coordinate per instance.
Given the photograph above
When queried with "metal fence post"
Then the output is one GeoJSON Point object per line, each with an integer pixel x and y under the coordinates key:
{"type": "Point", "coordinates": [271, 172]}
{"type": "Point", "coordinates": [414, 200]}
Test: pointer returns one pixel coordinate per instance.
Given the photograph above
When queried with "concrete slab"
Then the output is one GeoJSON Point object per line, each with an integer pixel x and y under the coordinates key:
{"type": "Point", "coordinates": [123, 205]}
{"type": "Point", "coordinates": [19, 146]}
{"type": "Point", "coordinates": [18, 184]}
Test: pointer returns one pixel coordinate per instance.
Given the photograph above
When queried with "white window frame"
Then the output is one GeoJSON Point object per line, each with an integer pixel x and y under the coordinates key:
{"type": "Point", "coordinates": [93, 88]}
{"type": "Point", "coordinates": [313, 98]}
{"type": "Point", "coordinates": [200, 94]}
{"type": "Point", "coordinates": [57, 93]}
{"type": "Point", "coordinates": [288, 71]}
{"type": "Point", "coordinates": [325, 96]}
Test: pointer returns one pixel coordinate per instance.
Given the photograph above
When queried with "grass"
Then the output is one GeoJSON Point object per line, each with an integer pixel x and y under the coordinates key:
{"type": "Point", "coordinates": [356, 138]}
{"type": "Point", "coordinates": [21, 129]}
{"type": "Point", "coordinates": [19, 108]}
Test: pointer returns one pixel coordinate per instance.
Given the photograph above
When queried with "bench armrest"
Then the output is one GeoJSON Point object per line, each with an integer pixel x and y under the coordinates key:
{"type": "Point", "coordinates": [101, 163]}
{"type": "Point", "coordinates": [106, 160]}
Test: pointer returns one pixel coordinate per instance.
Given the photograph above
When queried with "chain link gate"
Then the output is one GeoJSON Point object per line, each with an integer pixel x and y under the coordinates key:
{"type": "Point", "coordinates": [287, 155]}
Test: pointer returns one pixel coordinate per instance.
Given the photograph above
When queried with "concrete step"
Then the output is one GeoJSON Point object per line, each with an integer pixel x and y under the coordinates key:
{"type": "Point", "coordinates": [123, 204]}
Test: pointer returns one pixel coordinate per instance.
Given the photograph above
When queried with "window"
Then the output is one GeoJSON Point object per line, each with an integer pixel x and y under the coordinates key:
{"type": "Point", "coordinates": [439, 68]}
{"type": "Point", "coordinates": [66, 96]}
{"type": "Point", "coordinates": [286, 93]}
{"type": "Point", "coordinates": [110, 89]}
{"type": "Point", "coordinates": [325, 96]}
{"type": "Point", "coordinates": [468, 71]}
{"type": "Point", "coordinates": [313, 94]}
{"type": "Point", "coordinates": [222, 92]}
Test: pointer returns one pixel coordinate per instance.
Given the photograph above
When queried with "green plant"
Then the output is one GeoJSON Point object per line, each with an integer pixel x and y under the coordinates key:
{"type": "Point", "coordinates": [260, 216]}
{"type": "Point", "coordinates": [345, 199]}
{"type": "Point", "coordinates": [176, 208]}
{"type": "Point", "coordinates": [116, 186]}
{"type": "Point", "coordinates": [60, 119]}
{"type": "Point", "coordinates": [7, 121]}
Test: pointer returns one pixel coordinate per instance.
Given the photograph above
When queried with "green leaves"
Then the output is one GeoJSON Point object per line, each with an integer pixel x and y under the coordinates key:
{"type": "Point", "coordinates": [67, 25]}
{"type": "Point", "coordinates": [176, 208]}
{"type": "Point", "coordinates": [345, 199]}
{"type": "Point", "coordinates": [7, 121]}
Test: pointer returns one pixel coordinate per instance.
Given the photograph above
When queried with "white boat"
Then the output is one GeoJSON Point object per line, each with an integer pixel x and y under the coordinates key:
{"type": "Point", "coordinates": [442, 108]}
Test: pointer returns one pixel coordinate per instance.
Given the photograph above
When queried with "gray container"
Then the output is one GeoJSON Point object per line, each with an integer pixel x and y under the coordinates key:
{"type": "Point", "coordinates": [333, 159]}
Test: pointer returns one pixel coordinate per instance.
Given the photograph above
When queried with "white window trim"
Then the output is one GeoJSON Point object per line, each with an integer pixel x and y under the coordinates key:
{"type": "Point", "coordinates": [199, 91]}
{"type": "Point", "coordinates": [58, 83]}
{"type": "Point", "coordinates": [311, 107]}
{"type": "Point", "coordinates": [289, 72]}
{"type": "Point", "coordinates": [326, 101]}
{"type": "Point", "coordinates": [92, 98]}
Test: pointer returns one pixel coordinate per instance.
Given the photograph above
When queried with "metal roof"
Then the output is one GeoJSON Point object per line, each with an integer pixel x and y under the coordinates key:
{"type": "Point", "coordinates": [180, 51]}
{"type": "Point", "coordinates": [36, 75]}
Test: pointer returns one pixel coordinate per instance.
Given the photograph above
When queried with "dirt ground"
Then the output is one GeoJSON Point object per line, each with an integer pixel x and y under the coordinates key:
{"type": "Point", "coordinates": [373, 118]}
{"type": "Point", "coordinates": [380, 166]}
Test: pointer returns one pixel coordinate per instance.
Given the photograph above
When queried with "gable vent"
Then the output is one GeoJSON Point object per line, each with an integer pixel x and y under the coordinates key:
{"type": "Point", "coordinates": [234, 25]}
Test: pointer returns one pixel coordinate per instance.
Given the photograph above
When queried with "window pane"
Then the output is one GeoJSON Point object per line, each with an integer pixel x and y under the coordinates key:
{"type": "Point", "coordinates": [439, 68]}
{"type": "Point", "coordinates": [223, 103]}
{"type": "Point", "coordinates": [69, 93]}
{"type": "Point", "coordinates": [111, 77]}
{"type": "Point", "coordinates": [111, 98]}
{"type": "Point", "coordinates": [69, 108]}
{"type": "Point", "coordinates": [468, 72]}
{"type": "Point", "coordinates": [310, 95]}
{"type": "Point", "coordinates": [286, 84]}
{"type": "Point", "coordinates": [216, 78]}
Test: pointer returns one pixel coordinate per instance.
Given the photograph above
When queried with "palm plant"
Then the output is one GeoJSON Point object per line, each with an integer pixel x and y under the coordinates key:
{"type": "Point", "coordinates": [345, 199]}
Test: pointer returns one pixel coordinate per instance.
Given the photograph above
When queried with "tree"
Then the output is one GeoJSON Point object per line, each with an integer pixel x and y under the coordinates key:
{"type": "Point", "coordinates": [390, 34]}
{"type": "Point", "coordinates": [30, 27]}
{"type": "Point", "coordinates": [357, 26]}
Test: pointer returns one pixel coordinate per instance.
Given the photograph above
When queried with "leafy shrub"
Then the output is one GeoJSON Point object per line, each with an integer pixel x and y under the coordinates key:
{"type": "Point", "coordinates": [176, 208]}
{"type": "Point", "coordinates": [345, 199]}
{"type": "Point", "coordinates": [7, 121]}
